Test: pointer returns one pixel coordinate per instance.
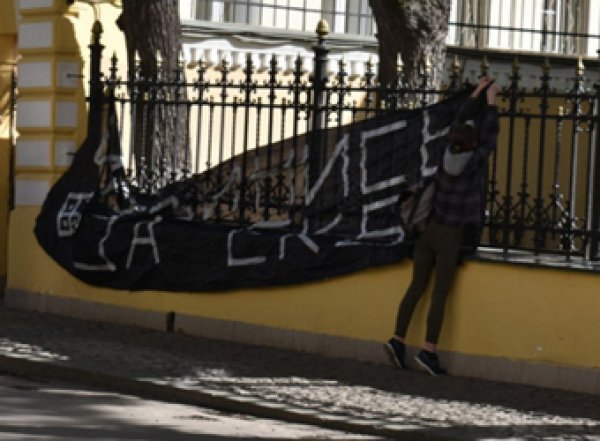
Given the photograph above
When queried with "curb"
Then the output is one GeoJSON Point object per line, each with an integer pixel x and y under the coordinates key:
{"type": "Point", "coordinates": [217, 400]}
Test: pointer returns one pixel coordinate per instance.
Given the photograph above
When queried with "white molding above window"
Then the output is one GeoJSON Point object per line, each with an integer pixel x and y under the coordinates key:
{"type": "Point", "coordinates": [213, 51]}
{"type": "Point", "coordinates": [194, 30]}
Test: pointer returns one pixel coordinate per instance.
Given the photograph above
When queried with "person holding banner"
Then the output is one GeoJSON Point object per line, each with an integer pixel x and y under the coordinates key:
{"type": "Point", "coordinates": [456, 207]}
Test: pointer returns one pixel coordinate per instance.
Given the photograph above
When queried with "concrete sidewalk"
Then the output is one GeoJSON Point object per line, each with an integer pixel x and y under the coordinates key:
{"type": "Point", "coordinates": [333, 393]}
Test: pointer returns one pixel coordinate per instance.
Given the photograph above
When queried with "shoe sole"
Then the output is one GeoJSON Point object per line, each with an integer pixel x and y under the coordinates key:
{"type": "Point", "coordinates": [392, 355]}
{"type": "Point", "coordinates": [424, 366]}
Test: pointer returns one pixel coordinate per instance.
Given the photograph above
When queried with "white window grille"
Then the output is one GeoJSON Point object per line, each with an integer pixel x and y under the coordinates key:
{"type": "Point", "coordinates": [555, 26]}
{"type": "Point", "coordinates": [594, 28]}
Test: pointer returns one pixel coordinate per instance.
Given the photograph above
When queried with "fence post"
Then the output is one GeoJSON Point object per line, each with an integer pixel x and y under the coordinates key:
{"type": "Point", "coordinates": [95, 65]}
{"type": "Point", "coordinates": [455, 75]}
{"type": "Point", "coordinates": [317, 152]}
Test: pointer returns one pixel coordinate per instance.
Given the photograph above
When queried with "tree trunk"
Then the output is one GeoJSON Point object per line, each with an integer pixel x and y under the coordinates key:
{"type": "Point", "coordinates": [152, 27]}
{"type": "Point", "coordinates": [415, 29]}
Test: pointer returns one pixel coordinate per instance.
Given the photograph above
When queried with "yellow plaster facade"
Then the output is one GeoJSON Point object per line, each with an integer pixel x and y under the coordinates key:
{"type": "Point", "coordinates": [8, 60]}
{"type": "Point", "coordinates": [495, 310]}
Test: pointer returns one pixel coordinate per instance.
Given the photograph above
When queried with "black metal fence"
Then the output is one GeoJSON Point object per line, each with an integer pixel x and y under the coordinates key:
{"type": "Point", "coordinates": [249, 135]}
{"type": "Point", "coordinates": [542, 190]}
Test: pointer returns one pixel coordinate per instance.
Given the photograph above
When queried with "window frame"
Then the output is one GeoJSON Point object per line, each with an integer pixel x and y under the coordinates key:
{"type": "Point", "coordinates": [272, 11]}
{"type": "Point", "coordinates": [525, 25]}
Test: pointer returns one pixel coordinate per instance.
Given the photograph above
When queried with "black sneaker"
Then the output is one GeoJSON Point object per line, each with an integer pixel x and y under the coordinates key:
{"type": "Point", "coordinates": [429, 361]}
{"type": "Point", "coordinates": [395, 350]}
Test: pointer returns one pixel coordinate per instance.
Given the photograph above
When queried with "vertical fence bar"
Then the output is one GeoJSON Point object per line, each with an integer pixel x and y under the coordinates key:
{"type": "Point", "coordinates": [539, 238]}
{"type": "Point", "coordinates": [507, 207]}
{"type": "Point", "coordinates": [575, 129]}
{"type": "Point", "coordinates": [247, 87]}
{"type": "Point", "coordinates": [425, 74]}
{"type": "Point", "coordinates": [317, 151]}
{"type": "Point", "coordinates": [575, 115]}
{"type": "Point", "coordinates": [280, 185]}
{"type": "Point", "coordinates": [398, 98]}
{"type": "Point", "coordinates": [521, 223]}
{"type": "Point", "coordinates": [177, 93]}
{"type": "Point", "coordinates": [200, 87]}
{"type": "Point", "coordinates": [96, 96]}
{"type": "Point", "coordinates": [370, 88]}
{"type": "Point", "coordinates": [159, 107]}
{"type": "Point", "coordinates": [272, 84]}
{"type": "Point", "coordinates": [319, 97]}
{"type": "Point", "coordinates": [232, 160]}
{"type": "Point", "coordinates": [256, 170]}
{"type": "Point", "coordinates": [209, 139]}
{"type": "Point", "coordinates": [589, 148]}
{"type": "Point", "coordinates": [593, 215]}
{"type": "Point", "coordinates": [327, 112]}
{"type": "Point", "coordinates": [342, 90]}
{"type": "Point", "coordinates": [492, 199]}
{"type": "Point", "coordinates": [133, 94]}
{"type": "Point", "coordinates": [187, 145]}
{"type": "Point", "coordinates": [455, 80]}
{"type": "Point", "coordinates": [492, 191]}
{"type": "Point", "coordinates": [296, 94]}
{"type": "Point", "coordinates": [556, 198]}
{"type": "Point", "coordinates": [141, 167]}
{"type": "Point", "coordinates": [223, 105]}
{"type": "Point", "coordinates": [154, 103]}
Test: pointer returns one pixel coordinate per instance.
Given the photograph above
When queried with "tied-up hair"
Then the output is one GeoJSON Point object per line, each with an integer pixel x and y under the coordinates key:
{"type": "Point", "coordinates": [463, 136]}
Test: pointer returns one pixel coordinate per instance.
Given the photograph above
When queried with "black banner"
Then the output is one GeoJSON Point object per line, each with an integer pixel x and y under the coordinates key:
{"type": "Point", "coordinates": [96, 227]}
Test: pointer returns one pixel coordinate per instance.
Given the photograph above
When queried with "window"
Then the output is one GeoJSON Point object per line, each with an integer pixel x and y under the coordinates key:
{"type": "Point", "coordinates": [557, 26]}
{"type": "Point", "coordinates": [202, 9]}
{"type": "Point", "coordinates": [343, 16]}
{"type": "Point", "coordinates": [359, 17]}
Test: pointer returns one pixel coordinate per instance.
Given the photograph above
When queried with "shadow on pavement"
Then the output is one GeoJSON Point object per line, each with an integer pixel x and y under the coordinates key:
{"type": "Point", "coordinates": [282, 374]}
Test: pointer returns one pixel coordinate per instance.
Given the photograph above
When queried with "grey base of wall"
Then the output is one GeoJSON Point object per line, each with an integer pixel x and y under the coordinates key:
{"type": "Point", "coordinates": [485, 367]}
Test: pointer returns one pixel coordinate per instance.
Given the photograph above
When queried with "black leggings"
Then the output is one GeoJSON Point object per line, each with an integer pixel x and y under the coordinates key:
{"type": "Point", "coordinates": [439, 245]}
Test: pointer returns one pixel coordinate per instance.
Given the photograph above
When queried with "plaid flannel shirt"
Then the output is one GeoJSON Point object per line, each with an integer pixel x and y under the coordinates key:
{"type": "Point", "coordinates": [459, 199]}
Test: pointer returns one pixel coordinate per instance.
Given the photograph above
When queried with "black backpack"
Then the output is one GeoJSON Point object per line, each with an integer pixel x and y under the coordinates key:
{"type": "Point", "coordinates": [414, 207]}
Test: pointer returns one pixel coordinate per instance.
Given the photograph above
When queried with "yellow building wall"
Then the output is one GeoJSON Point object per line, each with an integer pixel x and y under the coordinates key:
{"type": "Point", "coordinates": [498, 310]}
{"type": "Point", "coordinates": [8, 24]}
{"type": "Point", "coordinates": [8, 43]}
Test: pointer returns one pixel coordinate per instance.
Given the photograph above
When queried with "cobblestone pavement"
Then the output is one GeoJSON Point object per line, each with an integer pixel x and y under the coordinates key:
{"type": "Point", "coordinates": [374, 399]}
{"type": "Point", "coordinates": [46, 410]}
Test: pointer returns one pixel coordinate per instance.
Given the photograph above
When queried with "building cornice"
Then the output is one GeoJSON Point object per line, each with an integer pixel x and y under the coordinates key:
{"type": "Point", "coordinates": [192, 30]}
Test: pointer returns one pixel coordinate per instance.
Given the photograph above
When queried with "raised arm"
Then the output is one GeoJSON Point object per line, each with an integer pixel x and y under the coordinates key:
{"type": "Point", "coordinates": [484, 114]}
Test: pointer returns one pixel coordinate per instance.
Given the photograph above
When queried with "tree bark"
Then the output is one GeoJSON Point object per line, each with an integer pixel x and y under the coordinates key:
{"type": "Point", "coordinates": [152, 27]}
{"type": "Point", "coordinates": [415, 29]}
